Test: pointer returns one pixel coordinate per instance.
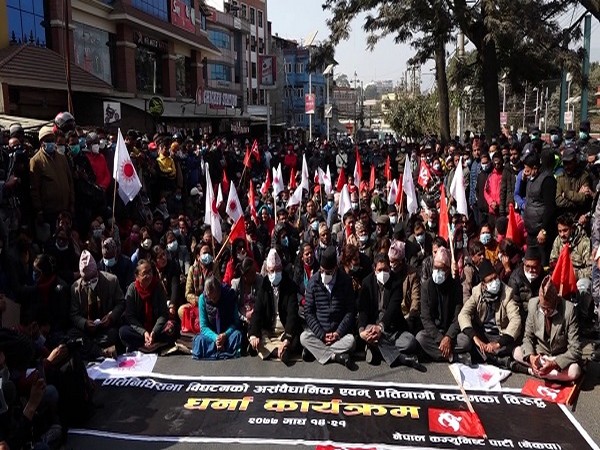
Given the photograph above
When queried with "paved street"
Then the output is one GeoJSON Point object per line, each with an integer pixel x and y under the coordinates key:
{"type": "Point", "coordinates": [586, 410]}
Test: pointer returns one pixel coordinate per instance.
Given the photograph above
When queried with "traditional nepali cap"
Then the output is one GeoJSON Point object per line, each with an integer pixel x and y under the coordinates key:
{"type": "Point", "coordinates": [87, 265]}
{"type": "Point", "coordinates": [442, 257]}
{"type": "Point", "coordinates": [548, 289]}
{"type": "Point", "coordinates": [45, 131]}
{"type": "Point", "coordinates": [273, 259]}
{"type": "Point", "coordinates": [397, 250]}
{"type": "Point", "coordinates": [533, 253]}
{"type": "Point", "coordinates": [328, 258]}
{"type": "Point", "coordinates": [485, 269]}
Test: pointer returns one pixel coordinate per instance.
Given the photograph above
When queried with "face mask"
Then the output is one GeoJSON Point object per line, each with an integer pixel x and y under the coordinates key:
{"type": "Point", "coordinates": [206, 259]}
{"type": "Point", "coordinates": [485, 167]}
{"type": "Point", "coordinates": [494, 286]}
{"type": "Point", "coordinates": [49, 147]}
{"type": "Point", "coordinates": [420, 238]}
{"type": "Point", "coordinates": [439, 276]}
{"type": "Point", "coordinates": [530, 276]}
{"type": "Point", "coordinates": [363, 239]}
{"type": "Point", "coordinates": [583, 135]}
{"type": "Point", "coordinates": [568, 141]}
{"type": "Point", "coordinates": [92, 283]}
{"type": "Point", "coordinates": [382, 277]}
{"type": "Point", "coordinates": [97, 233]}
{"type": "Point", "coordinates": [75, 149]}
{"type": "Point", "coordinates": [326, 278]}
{"type": "Point", "coordinates": [275, 278]}
{"type": "Point", "coordinates": [354, 205]}
{"type": "Point", "coordinates": [437, 167]}
{"type": "Point", "coordinates": [102, 144]}
{"type": "Point", "coordinates": [314, 226]}
{"type": "Point", "coordinates": [285, 241]}
{"type": "Point", "coordinates": [330, 203]}
{"type": "Point", "coordinates": [96, 148]}
{"type": "Point", "coordinates": [82, 142]}
{"type": "Point", "coordinates": [173, 246]}
{"type": "Point", "coordinates": [485, 238]}
{"type": "Point", "coordinates": [147, 244]}
{"type": "Point", "coordinates": [393, 220]}
{"type": "Point", "coordinates": [555, 138]}
{"type": "Point", "coordinates": [60, 149]}
{"type": "Point", "coordinates": [61, 248]}
{"type": "Point", "coordinates": [109, 262]}
{"type": "Point", "coordinates": [178, 197]}
{"type": "Point", "coordinates": [468, 162]}
{"type": "Point", "coordinates": [373, 207]}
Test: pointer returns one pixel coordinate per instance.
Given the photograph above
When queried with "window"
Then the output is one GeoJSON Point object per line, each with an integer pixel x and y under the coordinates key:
{"type": "Point", "coordinates": [220, 39]}
{"type": "Point", "coordinates": [261, 45]}
{"type": "Point", "coordinates": [25, 19]}
{"type": "Point", "coordinates": [253, 70]}
{"type": "Point", "coordinates": [300, 92]}
{"type": "Point", "coordinates": [299, 68]}
{"type": "Point", "coordinates": [260, 19]}
{"type": "Point", "coordinates": [288, 67]}
{"type": "Point", "coordinates": [244, 11]}
{"type": "Point", "coordinates": [202, 21]}
{"type": "Point", "coordinates": [219, 72]}
{"type": "Point", "coordinates": [148, 70]}
{"type": "Point", "coordinates": [183, 76]}
{"type": "Point", "coordinates": [156, 8]}
{"type": "Point", "coordinates": [252, 15]}
{"type": "Point", "coordinates": [92, 52]}
{"type": "Point", "coordinates": [253, 44]}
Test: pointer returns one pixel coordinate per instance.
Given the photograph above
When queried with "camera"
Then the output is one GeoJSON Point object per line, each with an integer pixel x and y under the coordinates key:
{"type": "Point", "coordinates": [74, 345]}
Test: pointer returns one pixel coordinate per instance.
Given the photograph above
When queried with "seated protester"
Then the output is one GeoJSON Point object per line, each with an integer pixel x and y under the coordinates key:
{"type": "Point", "coordinates": [144, 249]}
{"type": "Point", "coordinates": [168, 274]}
{"type": "Point", "coordinates": [201, 270]}
{"type": "Point", "coordinates": [329, 314]}
{"type": "Point", "coordinates": [311, 233]}
{"type": "Point", "coordinates": [255, 244]}
{"type": "Point", "coordinates": [441, 302]}
{"type": "Point", "coordinates": [147, 315]}
{"type": "Point", "coordinates": [419, 246]}
{"type": "Point", "coordinates": [275, 325]}
{"type": "Point", "coordinates": [426, 268]}
{"type": "Point", "coordinates": [486, 237]}
{"type": "Point", "coordinates": [471, 276]}
{"type": "Point", "coordinates": [345, 230]}
{"type": "Point", "coordinates": [238, 254]}
{"type": "Point", "coordinates": [491, 317]}
{"type": "Point", "coordinates": [324, 241]}
{"type": "Point", "coordinates": [115, 263]}
{"type": "Point", "coordinates": [281, 239]}
{"type": "Point", "coordinates": [526, 279]}
{"type": "Point", "coordinates": [220, 336]}
{"type": "Point", "coordinates": [96, 308]}
{"type": "Point", "coordinates": [382, 228]}
{"type": "Point", "coordinates": [381, 323]}
{"type": "Point", "coordinates": [178, 252]}
{"type": "Point", "coordinates": [406, 280]}
{"type": "Point", "coordinates": [63, 252]}
{"type": "Point", "coordinates": [356, 265]}
{"type": "Point", "coordinates": [246, 287]}
{"type": "Point", "coordinates": [509, 257]}
{"type": "Point", "coordinates": [365, 243]}
{"type": "Point", "coordinates": [579, 243]}
{"type": "Point", "coordinates": [305, 267]}
{"type": "Point", "coordinates": [551, 347]}
{"type": "Point", "coordinates": [132, 242]}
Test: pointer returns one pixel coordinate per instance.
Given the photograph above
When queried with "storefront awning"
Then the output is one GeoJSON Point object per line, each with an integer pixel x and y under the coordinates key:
{"type": "Point", "coordinates": [26, 122]}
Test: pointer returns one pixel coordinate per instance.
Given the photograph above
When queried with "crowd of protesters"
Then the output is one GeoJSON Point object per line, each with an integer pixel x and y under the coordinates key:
{"type": "Point", "coordinates": [309, 277]}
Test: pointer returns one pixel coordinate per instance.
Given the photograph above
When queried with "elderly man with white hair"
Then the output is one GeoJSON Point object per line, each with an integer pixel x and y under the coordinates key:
{"type": "Point", "coordinates": [97, 304]}
{"type": "Point", "coordinates": [275, 324]}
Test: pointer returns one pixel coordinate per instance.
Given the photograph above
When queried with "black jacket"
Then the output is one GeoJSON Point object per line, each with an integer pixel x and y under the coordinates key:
{"type": "Point", "coordinates": [368, 304]}
{"type": "Point", "coordinates": [263, 316]}
{"type": "Point", "coordinates": [523, 290]}
{"type": "Point", "coordinates": [327, 313]}
{"type": "Point", "coordinates": [440, 306]}
{"type": "Point", "coordinates": [135, 309]}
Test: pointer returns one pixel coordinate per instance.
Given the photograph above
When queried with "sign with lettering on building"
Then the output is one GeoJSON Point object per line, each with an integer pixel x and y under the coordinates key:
{"type": "Point", "coordinates": [215, 99]}
{"type": "Point", "coordinates": [183, 15]}
{"type": "Point", "coordinates": [267, 71]}
{"type": "Point", "coordinates": [147, 41]}
{"type": "Point", "coordinates": [156, 107]}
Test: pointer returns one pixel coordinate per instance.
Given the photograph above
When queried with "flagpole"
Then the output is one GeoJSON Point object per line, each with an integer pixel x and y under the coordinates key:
{"type": "Point", "coordinates": [226, 241]}
{"type": "Point", "coordinates": [113, 207]}
{"type": "Point", "coordinates": [451, 244]}
{"type": "Point", "coordinates": [464, 394]}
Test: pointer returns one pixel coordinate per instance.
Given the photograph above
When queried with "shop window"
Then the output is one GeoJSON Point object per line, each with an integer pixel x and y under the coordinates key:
{"type": "Point", "coordinates": [156, 8]}
{"type": "Point", "coordinates": [219, 72]}
{"type": "Point", "coordinates": [183, 76]}
{"type": "Point", "coordinates": [92, 52]}
{"type": "Point", "coordinates": [148, 70]}
{"type": "Point", "coordinates": [220, 39]}
{"type": "Point", "coordinates": [25, 18]}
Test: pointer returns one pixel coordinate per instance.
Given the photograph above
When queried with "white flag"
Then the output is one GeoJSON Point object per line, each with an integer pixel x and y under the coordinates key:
{"type": "Point", "coordinates": [357, 173]}
{"type": "Point", "coordinates": [305, 182]}
{"type": "Point", "coordinates": [219, 196]}
{"type": "Point", "coordinates": [318, 179]}
{"type": "Point", "coordinates": [234, 208]}
{"type": "Point", "coordinates": [327, 181]}
{"type": "Point", "coordinates": [345, 205]}
{"type": "Point", "coordinates": [124, 172]}
{"type": "Point", "coordinates": [278, 185]}
{"type": "Point", "coordinates": [393, 194]}
{"type": "Point", "coordinates": [412, 205]}
{"type": "Point", "coordinates": [457, 190]}
{"type": "Point", "coordinates": [211, 215]}
{"type": "Point", "coordinates": [296, 198]}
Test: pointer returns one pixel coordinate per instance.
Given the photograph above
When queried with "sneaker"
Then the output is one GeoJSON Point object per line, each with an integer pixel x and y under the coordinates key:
{"type": "Point", "coordinates": [463, 358]}
{"type": "Point", "coordinates": [413, 361]}
{"type": "Point", "coordinates": [307, 356]}
{"type": "Point", "coordinates": [517, 367]}
{"type": "Point", "coordinates": [285, 357]}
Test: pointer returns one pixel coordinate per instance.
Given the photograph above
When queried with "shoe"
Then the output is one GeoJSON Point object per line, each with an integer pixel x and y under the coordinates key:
{"type": "Point", "coordinates": [500, 361]}
{"type": "Point", "coordinates": [307, 356]}
{"type": "Point", "coordinates": [345, 360]}
{"type": "Point", "coordinates": [413, 361]}
{"type": "Point", "coordinates": [463, 358]}
{"type": "Point", "coordinates": [110, 352]}
{"type": "Point", "coordinates": [285, 357]}
{"type": "Point", "coordinates": [372, 357]}
{"type": "Point", "coordinates": [517, 367]}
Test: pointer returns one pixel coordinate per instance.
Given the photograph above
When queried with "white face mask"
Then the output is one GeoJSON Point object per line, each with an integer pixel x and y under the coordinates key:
{"type": "Point", "coordinates": [493, 287]}
{"type": "Point", "coordinates": [363, 239]}
{"type": "Point", "coordinates": [393, 220]}
{"type": "Point", "coordinates": [439, 276]}
{"type": "Point", "coordinates": [382, 277]}
{"type": "Point", "coordinates": [530, 276]}
{"type": "Point", "coordinates": [60, 149]}
{"type": "Point", "coordinates": [92, 283]}
{"type": "Point", "coordinates": [95, 148]}
{"type": "Point", "coordinates": [326, 278]}
{"type": "Point", "coordinates": [275, 278]}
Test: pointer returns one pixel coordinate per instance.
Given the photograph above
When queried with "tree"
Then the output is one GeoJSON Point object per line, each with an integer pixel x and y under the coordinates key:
{"type": "Point", "coordinates": [425, 24]}
{"type": "Point", "coordinates": [342, 81]}
{"type": "Point", "coordinates": [371, 92]}
{"type": "Point", "coordinates": [413, 116]}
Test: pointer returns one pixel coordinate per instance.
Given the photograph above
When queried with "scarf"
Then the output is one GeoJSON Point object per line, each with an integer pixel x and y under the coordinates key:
{"type": "Point", "coordinates": [146, 296]}
{"type": "Point", "coordinates": [166, 165]}
{"type": "Point", "coordinates": [44, 287]}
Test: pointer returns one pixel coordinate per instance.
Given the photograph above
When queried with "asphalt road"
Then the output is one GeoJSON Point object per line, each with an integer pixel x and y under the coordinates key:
{"type": "Point", "coordinates": [586, 409]}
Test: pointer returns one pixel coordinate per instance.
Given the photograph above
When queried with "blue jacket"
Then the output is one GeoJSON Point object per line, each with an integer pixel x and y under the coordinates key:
{"type": "Point", "coordinates": [328, 313]}
{"type": "Point", "coordinates": [520, 192]}
{"type": "Point", "coordinates": [473, 174]}
{"type": "Point", "coordinates": [228, 319]}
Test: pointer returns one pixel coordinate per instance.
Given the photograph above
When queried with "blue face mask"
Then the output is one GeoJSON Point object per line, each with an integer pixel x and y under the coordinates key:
{"type": "Point", "coordinates": [206, 259]}
{"type": "Point", "coordinates": [36, 276]}
{"type": "Point", "coordinates": [75, 149]}
{"type": "Point", "coordinates": [485, 238]}
{"type": "Point", "coordinates": [555, 138]}
{"type": "Point", "coordinates": [109, 262]}
{"type": "Point", "coordinates": [285, 241]}
{"type": "Point", "coordinates": [583, 135]}
{"type": "Point", "coordinates": [82, 142]}
{"type": "Point", "coordinates": [50, 147]}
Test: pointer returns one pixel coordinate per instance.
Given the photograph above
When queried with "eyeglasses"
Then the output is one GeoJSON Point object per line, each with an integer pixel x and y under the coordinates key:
{"type": "Point", "coordinates": [531, 266]}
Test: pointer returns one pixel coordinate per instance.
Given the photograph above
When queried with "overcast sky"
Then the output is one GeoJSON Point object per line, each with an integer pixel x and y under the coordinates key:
{"type": "Point", "coordinates": [294, 19]}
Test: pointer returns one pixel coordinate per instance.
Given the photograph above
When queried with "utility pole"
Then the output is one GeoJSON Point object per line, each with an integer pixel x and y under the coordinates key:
{"type": "Point", "coordinates": [587, 33]}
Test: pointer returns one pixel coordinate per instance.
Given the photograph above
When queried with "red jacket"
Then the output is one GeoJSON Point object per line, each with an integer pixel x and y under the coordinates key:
{"type": "Point", "coordinates": [491, 191]}
{"type": "Point", "coordinates": [98, 163]}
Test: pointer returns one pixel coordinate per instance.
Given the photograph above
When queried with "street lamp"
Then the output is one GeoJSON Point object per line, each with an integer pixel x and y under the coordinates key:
{"type": "Point", "coordinates": [537, 103]}
{"type": "Point", "coordinates": [308, 43]}
{"type": "Point", "coordinates": [569, 81]}
{"type": "Point", "coordinates": [503, 84]}
{"type": "Point", "coordinates": [328, 72]}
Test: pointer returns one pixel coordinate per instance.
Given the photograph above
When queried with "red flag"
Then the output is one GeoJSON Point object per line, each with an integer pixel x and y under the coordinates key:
{"type": "Point", "coordinates": [238, 230]}
{"type": "Point", "coordinates": [247, 158]}
{"type": "Point", "coordinates": [550, 392]}
{"type": "Point", "coordinates": [372, 179]}
{"type": "Point", "coordinates": [255, 151]}
{"type": "Point", "coordinates": [444, 219]}
{"type": "Point", "coordinates": [424, 174]}
{"type": "Point", "coordinates": [400, 196]}
{"type": "Point", "coordinates": [267, 184]}
{"type": "Point", "coordinates": [512, 231]}
{"type": "Point", "coordinates": [387, 171]}
{"type": "Point", "coordinates": [293, 183]}
{"type": "Point", "coordinates": [563, 276]}
{"type": "Point", "coordinates": [341, 181]}
{"type": "Point", "coordinates": [454, 422]}
{"type": "Point", "coordinates": [225, 182]}
{"type": "Point", "coordinates": [252, 200]}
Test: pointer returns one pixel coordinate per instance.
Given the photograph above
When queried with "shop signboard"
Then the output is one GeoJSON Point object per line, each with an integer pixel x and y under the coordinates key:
{"type": "Point", "coordinates": [183, 16]}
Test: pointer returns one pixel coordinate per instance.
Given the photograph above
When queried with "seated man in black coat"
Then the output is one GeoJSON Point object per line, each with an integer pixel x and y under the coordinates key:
{"type": "Point", "coordinates": [275, 324]}
{"type": "Point", "coordinates": [381, 323]}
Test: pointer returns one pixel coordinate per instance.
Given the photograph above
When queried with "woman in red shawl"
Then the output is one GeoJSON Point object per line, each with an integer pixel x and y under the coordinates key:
{"type": "Point", "coordinates": [147, 315]}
